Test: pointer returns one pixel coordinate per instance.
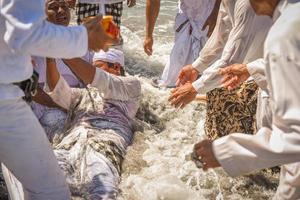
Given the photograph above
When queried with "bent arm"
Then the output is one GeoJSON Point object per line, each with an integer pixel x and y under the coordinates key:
{"type": "Point", "coordinates": [57, 88]}
{"type": "Point", "coordinates": [27, 31]}
{"type": "Point", "coordinates": [235, 50]}
{"type": "Point", "coordinates": [110, 86]}
{"type": "Point", "coordinates": [116, 87]}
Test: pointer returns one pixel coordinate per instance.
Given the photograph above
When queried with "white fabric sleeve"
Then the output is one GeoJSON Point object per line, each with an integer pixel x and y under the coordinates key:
{"type": "Point", "coordinates": [27, 31]}
{"type": "Point", "coordinates": [235, 50]}
{"type": "Point", "coordinates": [116, 87]}
{"type": "Point", "coordinates": [61, 94]}
{"type": "Point", "coordinates": [256, 70]}
{"type": "Point", "coordinates": [215, 44]}
{"type": "Point", "coordinates": [240, 153]}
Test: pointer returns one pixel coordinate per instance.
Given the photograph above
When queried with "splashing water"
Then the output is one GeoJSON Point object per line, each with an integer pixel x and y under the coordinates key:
{"type": "Point", "coordinates": [157, 165]}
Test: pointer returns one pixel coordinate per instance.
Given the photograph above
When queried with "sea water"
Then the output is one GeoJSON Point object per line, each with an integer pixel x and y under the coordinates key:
{"type": "Point", "coordinates": [158, 165]}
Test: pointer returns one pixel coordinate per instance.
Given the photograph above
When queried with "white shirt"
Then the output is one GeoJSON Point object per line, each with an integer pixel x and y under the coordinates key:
{"type": "Point", "coordinates": [63, 69]}
{"type": "Point", "coordinates": [240, 153]}
{"type": "Point", "coordinates": [23, 33]}
{"type": "Point", "coordinates": [237, 38]}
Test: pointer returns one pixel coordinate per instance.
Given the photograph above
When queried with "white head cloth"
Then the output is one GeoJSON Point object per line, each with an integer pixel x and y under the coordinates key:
{"type": "Point", "coordinates": [112, 56]}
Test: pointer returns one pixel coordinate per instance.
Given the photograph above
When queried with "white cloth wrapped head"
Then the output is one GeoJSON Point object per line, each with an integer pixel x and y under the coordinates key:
{"type": "Point", "coordinates": [111, 56]}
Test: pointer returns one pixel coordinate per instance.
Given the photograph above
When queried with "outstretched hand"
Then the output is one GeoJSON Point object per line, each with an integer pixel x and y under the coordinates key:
{"type": "Point", "coordinates": [205, 154]}
{"type": "Point", "coordinates": [97, 38]}
{"type": "Point", "coordinates": [183, 95]}
{"type": "Point", "coordinates": [187, 74]}
{"type": "Point", "coordinates": [148, 43]}
{"type": "Point", "coordinates": [234, 75]}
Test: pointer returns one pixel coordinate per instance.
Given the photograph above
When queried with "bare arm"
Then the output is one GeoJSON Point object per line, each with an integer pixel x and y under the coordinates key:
{"type": "Point", "coordinates": [152, 10]}
{"type": "Point", "coordinates": [57, 88]}
{"type": "Point", "coordinates": [84, 70]}
{"type": "Point", "coordinates": [52, 74]}
{"type": "Point", "coordinates": [44, 99]}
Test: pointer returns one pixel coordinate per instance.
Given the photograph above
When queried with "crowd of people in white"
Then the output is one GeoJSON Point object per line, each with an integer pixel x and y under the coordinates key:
{"type": "Point", "coordinates": [67, 106]}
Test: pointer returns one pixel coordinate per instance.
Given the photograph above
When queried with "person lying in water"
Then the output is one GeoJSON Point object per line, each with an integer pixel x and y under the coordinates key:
{"type": "Point", "coordinates": [99, 124]}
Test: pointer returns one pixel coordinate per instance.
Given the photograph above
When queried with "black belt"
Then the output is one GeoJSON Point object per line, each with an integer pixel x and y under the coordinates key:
{"type": "Point", "coordinates": [29, 86]}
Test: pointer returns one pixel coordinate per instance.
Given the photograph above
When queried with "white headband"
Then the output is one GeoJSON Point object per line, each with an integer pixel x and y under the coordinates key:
{"type": "Point", "coordinates": [112, 56]}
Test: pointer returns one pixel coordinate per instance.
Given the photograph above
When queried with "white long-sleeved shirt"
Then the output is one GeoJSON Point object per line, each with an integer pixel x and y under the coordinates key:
{"type": "Point", "coordinates": [256, 70]}
{"type": "Point", "coordinates": [237, 38]}
{"type": "Point", "coordinates": [280, 144]}
{"type": "Point", "coordinates": [23, 33]}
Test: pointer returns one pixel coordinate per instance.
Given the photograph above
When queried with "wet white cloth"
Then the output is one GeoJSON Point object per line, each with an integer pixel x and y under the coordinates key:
{"type": "Point", "coordinates": [237, 38]}
{"type": "Point", "coordinates": [98, 132]}
{"type": "Point", "coordinates": [24, 32]}
{"type": "Point", "coordinates": [26, 151]}
{"type": "Point", "coordinates": [256, 70]}
{"type": "Point", "coordinates": [280, 144]}
{"type": "Point", "coordinates": [64, 70]}
{"type": "Point", "coordinates": [189, 39]}
{"type": "Point", "coordinates": [111, 56]}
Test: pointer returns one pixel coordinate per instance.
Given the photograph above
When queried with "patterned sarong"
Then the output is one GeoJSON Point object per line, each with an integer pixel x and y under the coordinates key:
{"type": "Point", "coordinates": [231, 111]}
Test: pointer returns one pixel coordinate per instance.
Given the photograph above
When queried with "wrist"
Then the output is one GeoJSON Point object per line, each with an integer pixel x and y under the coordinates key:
{"type": "Point", "coordinates": [50, 60]}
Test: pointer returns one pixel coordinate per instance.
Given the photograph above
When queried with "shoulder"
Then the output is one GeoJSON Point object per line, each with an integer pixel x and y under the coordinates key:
{"type": "Point", "coordinates": [133, 85]}
{"type": "Point", "coordinates": [284, 37]}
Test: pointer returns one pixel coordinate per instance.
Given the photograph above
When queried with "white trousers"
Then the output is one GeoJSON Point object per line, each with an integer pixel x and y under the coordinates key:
{"type": "Point", "coordinates": [27, 153]}
{"type": "Point", "coordinates": [289, 184]}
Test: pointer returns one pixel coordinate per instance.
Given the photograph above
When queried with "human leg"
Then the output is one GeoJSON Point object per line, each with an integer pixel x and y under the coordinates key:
{"type": "Point", "coordinates": [289, 184]}
{"type": "Point", "coordinates": [26, 152]}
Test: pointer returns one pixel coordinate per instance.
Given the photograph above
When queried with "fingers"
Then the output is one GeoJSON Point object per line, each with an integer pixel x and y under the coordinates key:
{"type": "Point", "coordinates": [231, 83]}
{"type": "Point", "coordinates": [148, 47]}
{"type": "Point", "coordinates": [205, 155]}
{"type": "Point", "coordinates": [226, 71]}
{"type": "Point", "coordinates": [225, 79]}
{"type": "Point", "coordinates": [148, 50]}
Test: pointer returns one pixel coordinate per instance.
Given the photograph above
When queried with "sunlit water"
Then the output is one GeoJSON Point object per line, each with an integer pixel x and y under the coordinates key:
{"type": "Point", "coordinates": [157, 165]}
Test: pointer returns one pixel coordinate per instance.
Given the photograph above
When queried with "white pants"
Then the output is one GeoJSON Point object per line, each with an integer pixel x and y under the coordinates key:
{"type": "Point", "coordinates": [289, 184]}
{"type": "Point", "coordinates": [185, 50]}
{"type": "Point", "coordinates": [26, 152]}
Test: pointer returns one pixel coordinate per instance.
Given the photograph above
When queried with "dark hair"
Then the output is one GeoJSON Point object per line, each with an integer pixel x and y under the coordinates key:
{"type": "Point", "coordinates": [122, 70]}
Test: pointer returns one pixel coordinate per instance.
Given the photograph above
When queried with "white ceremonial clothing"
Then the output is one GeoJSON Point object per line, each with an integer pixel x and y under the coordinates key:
{"type": "Point", "coordinates": [237, 38]}
{"type": "Point", "coordinates": [24, 33]}
{"type": "Point", "coordinates": [26, 152]}
{"type": "Point", "coordinates": [189, 37]}
{"type": "Point", "coordinates": [279, 145]}
{"type": "Point", "coordinates": [256, 70]}
{"type": "Point", "coordinates": [63, 69]}
{"type": "Point", "coordinates": [24, 147]}
{"type": "Point", "coordinates": [99, 131]}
